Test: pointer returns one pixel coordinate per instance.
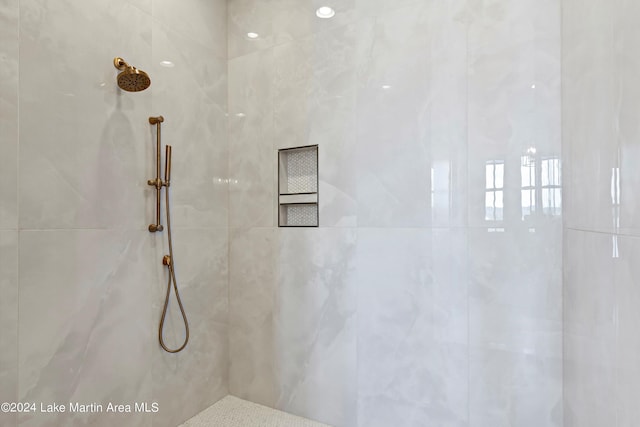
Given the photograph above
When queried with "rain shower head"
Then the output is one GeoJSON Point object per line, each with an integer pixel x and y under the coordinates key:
{"type": "Point", "coordinates": [131, 79]}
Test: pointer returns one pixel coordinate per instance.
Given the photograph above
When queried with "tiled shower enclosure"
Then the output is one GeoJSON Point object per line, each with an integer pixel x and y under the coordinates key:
{"type": "Point", "coordinates": [473, 264]}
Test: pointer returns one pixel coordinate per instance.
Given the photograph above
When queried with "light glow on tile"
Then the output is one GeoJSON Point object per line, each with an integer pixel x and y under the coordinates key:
{"type": "Point", "coordinates": [253, 36]}
{"type": "Point", "coordinates": [325, 12]}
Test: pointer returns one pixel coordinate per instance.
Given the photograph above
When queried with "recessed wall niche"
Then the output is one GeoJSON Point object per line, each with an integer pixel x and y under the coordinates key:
{"type": "Point", "coordinates": [298, 187]}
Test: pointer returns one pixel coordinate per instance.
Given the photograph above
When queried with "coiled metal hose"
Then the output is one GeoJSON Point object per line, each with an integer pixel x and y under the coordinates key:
{"type": "Point", "coordinates": [168, 261]}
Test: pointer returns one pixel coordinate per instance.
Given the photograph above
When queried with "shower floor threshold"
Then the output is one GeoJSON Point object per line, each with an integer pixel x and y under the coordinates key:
{"type": "Point", "coordinates": [234, 412]}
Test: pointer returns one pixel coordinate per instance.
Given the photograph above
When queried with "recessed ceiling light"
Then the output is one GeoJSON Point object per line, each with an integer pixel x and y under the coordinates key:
{"type": "Point", "coordinates": [386, 86]}
{"type": "Point", "coordinates": [325, 12]}
{"type": "Point", "coordinates": [253, 35]}
{"type": "Point", "coordinates": [168, 64]}
{"type": "Point", "coordinates": [241, 115]}
{"type": "Point", "coordinates": [533, 86]}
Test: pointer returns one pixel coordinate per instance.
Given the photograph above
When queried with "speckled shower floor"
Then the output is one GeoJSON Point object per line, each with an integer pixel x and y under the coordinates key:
{"type": "Point", "coordinates": [233, 412]}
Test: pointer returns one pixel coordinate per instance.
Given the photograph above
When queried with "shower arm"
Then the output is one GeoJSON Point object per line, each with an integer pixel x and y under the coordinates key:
{"type": "Point", "coordinates": [157, 182]}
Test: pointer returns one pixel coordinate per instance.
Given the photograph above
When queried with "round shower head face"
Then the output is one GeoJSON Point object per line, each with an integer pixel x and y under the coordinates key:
{"type": "Point", "coordinates": [133, 80]}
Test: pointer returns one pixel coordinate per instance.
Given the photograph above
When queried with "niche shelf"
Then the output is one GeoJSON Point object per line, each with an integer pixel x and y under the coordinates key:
{"type": "Point", "coordinates": [298, 187]}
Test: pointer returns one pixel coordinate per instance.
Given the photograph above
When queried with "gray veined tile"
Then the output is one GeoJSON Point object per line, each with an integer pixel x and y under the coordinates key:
{"type": "Point", "coordinates": [200, 370]}
{"type": "Point", "coordinates": [81, 155]}
{"type": "Point", "coordinates": [93, 286]}
{"type": "Point", "coordinates": [9, 52]}
{"type": "Point", "coordinates": [9, 322]}
{"type": "Point", "coordinates": [252, 278]}
{"type": "Point", "coordinates": [316, 286]}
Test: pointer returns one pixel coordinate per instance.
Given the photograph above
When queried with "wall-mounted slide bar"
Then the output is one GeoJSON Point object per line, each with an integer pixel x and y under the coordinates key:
{"type": "Point", "coordinates": [157, 182]}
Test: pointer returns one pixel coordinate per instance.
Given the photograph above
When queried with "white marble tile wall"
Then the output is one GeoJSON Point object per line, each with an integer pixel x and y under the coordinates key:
{"type": "Point", "coordinates": [252, 348]}
{"type": "Point", "coordinates": [82, 280]}
{"type": "Point", "coordinates": [412, 327]}
{"type": "Point", "coordinates": [279, 21]}
{"type": "Point", "coordinates": [601, 322]}
{"type": "Point", "coordinates": [199, 375]}
{"type": "Point", "coordinates": [590, 110]}
{"type": "Point", "coordinates": [513, 95]}
{"type": "Point", "coordinates": [600, 92]}
{"type": "Point", "coordinates": [9, 61]}
{"type": "Point", "coordinates": [457, 320]}
{"type": "Point", "coordinates": [96, 326]}
{"type": "Point", "coordinates": [9, 322]}
{"type": "Point", "coordinates": [306, 366]}
{"type": "Point", "coordinates": [191, 95]}
{"type": "Point", "coordinates": [89, 162]}
{"type": "Point", "coordinates": [315, 361]}
{"type": "Point", "coordinates": [515, 327]}
{"type": "Point", "coordinates": [590, 330]}
{"type": "Point", "coordinates": [411, 109]}
{"type": "Point", "coordinates": [251, 156]}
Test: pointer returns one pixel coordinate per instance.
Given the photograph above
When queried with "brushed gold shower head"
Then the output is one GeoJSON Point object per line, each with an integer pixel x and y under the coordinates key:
{"type": "Point", "coordinates": [131, 79]}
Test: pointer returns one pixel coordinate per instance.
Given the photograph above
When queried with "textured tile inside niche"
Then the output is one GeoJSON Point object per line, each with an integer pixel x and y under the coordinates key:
{"type": "Point", "coordinates": [9, 323]}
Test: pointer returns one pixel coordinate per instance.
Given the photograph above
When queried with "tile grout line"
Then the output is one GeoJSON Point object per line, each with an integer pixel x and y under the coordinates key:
{"type": "Point", "coordinates": [563, 237]}
{"type": "Point", "coordinates": [18, 234]}
{"type": "Point", "coordinates": [228, 164]}
{"type": "Point", "coordinates": [466, 225]}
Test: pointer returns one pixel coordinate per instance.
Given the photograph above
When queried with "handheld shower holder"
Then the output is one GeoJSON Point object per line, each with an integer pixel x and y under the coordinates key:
{"type": "Point", "coordinates": [157, 182]}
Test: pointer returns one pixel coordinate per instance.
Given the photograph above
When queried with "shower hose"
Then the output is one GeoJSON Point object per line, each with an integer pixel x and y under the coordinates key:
{"type": "Point", "coordinates": [168, 261]}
